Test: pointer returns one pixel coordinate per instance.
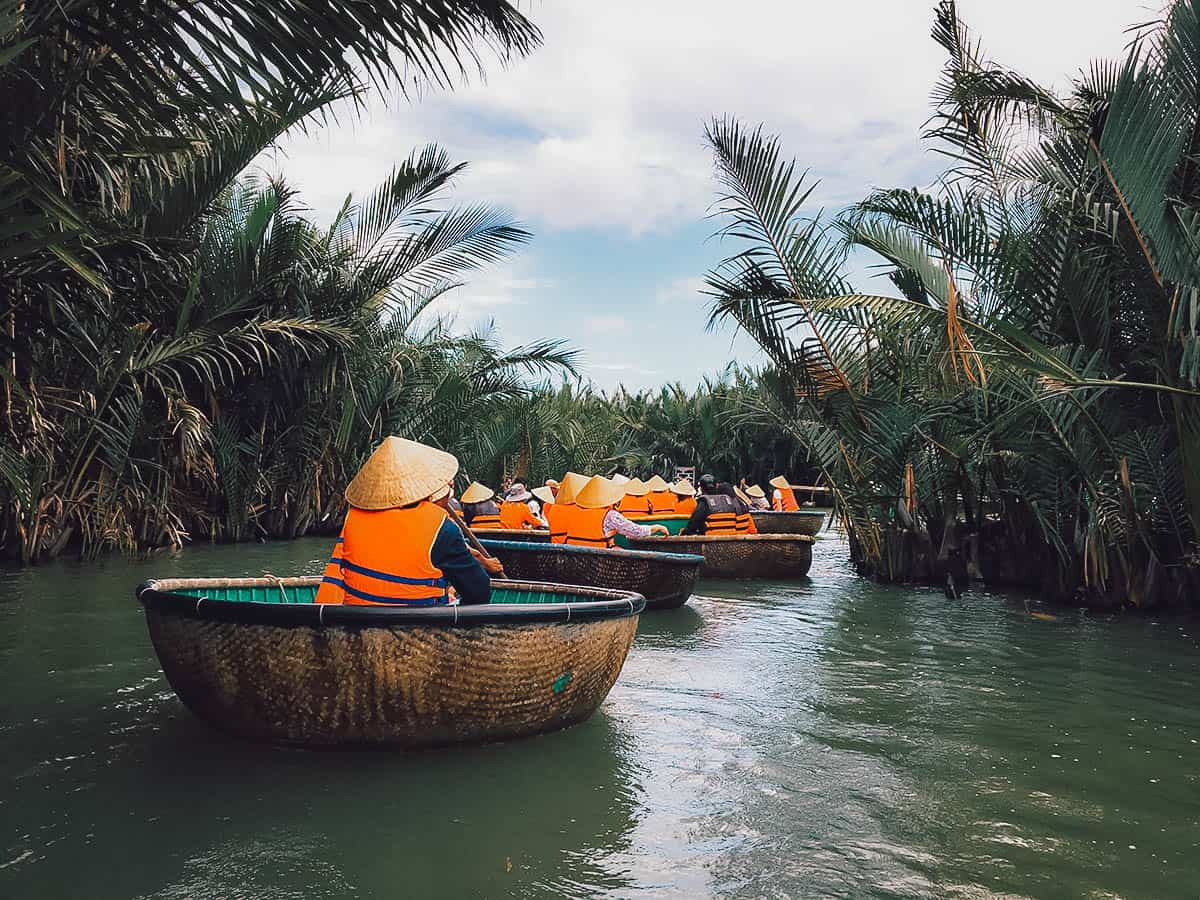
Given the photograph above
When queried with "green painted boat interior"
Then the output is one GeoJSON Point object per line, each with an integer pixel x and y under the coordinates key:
{"type": "Point", "coordinates": [307, 594]}
{"type": "Point", "coordinates": [675, 524]}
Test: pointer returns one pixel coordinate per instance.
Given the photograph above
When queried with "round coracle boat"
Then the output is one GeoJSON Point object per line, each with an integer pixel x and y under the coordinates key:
{"type": "Point", "coordinates": [528, 535]}
{"type": "Point", "coordinates": [664, 579]}
{"type": "Point", "coordinates": [740, 555]}
{"type": "Point", "coordinates": [805, 521]}
{"type": "Point", "coordinates": [258, 658]}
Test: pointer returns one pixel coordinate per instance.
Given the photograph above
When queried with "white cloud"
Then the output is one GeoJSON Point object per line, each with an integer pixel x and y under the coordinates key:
{"type": "Point", "coordinates": [602, 126]}
{"type": "Point", "coordinates": [681, 290]}
{"type": "Point", "coordinates": [607, 324]}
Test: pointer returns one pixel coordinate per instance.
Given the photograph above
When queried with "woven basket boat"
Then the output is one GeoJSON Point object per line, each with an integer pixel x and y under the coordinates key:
{"type": "Point", "coordinates": [740, 555]}
{"type": "Point", "coordinates": [258, 658]}
{"type": "Point", "coordinates": [529, 535]}
{"type": "Point", "coordinates": [664, 579]}
{"type": "Point", "coordinates": [802, 522]}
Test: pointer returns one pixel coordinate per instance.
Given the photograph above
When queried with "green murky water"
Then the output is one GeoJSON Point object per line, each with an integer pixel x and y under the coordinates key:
{"type": "Point", "coordinates": [829, 737]}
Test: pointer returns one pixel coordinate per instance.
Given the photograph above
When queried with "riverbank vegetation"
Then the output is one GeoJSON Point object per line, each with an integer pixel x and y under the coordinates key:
{"type": "Point", "coordinates": [1021, 405]}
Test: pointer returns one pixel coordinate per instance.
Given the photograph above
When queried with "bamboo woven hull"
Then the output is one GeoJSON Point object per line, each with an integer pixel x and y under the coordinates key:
{"type": "Point", "coordinates": [741, 556]}
{"type": "Point", "coordinates": [666, 580]}
{"type": "Point", "coordinates": [803, 522]}
{"type": "Point", "coordinates": [404, 686]}
{"type": "Point", "coordinates": [527, 535]}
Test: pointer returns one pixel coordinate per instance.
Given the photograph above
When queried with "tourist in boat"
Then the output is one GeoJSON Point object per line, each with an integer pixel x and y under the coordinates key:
{"type": "Point", "coordinates": [662, 501]}
{"type": "Point", "coordinates": [480, 509]}
{"type": "Point", "coordinates": [398, 546]}
{"type": "Point", "coordinates": [557, 516]}
{"type": "Point", "coordinates": [783, 499]}
{"type": "Point", "coordinates": [716, 511]}
{"type": "Point", "coordinates": [545, 499]}
{"type": "Point", "coordinates": [635, 503]}
{"type": "Point", "coordinates": [515, 512]}
{"type": "Point", "coordinates": [758, 497]}
{"type": "Point", "coordinates": [745, 521]}
{"type": "Point", "coordinates": [685, 497]}
{"type": "Point", "coordinates": [593, 520]}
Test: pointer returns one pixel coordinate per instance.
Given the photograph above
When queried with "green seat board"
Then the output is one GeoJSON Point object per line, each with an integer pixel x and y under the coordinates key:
{"type": "Point", "coordinates": [274, 594]}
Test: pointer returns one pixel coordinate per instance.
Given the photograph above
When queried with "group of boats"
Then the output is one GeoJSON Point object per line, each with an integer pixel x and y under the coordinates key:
{"type": "Point", "coordinates": [259, 658]}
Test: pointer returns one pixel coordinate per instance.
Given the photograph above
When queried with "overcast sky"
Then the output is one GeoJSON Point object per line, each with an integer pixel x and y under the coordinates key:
{"type": "Point", "coordinates": [595, 142]}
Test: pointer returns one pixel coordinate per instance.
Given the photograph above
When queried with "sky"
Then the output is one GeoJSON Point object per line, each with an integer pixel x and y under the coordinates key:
{"type": "Point", "coordinates": [595, 143]}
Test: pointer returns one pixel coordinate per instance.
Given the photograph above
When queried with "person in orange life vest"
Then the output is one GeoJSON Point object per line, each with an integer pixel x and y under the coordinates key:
{"type": "Point", "coordinates": [745, 521]}
{"type": "Point", "coordinates": [758, 498]}
{"type": "Point", "coordinates": [545, 499]}
{"type": "Point", "coordinates": [685, 497]}
{"type": "Point", "coordinates": [398, 546]}
{"type": "Point", "coordinates": [635, 503]}
{"type": "Point", "coordinates": [480, 509]}
{"type": "Point", "coordinates": [558, 514]}
{"type": "Point", "coordinates": [593, 520]}
{"type": "Point", "coordinates": [662, 501]}
{"type": "Point", "coordinates": [716, 512]}
{"type": "Point", "coordinates": [783, 500]}
{"type": "Point", "coordinates": [515, 511]}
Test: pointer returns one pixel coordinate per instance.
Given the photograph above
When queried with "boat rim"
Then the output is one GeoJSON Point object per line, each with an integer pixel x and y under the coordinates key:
{"type": "Point", "coordinates": [697, 538]}
{"type": "Point", "coordinates": [161, 596]}
{"type": "Point", "coordinates": [680, 559]}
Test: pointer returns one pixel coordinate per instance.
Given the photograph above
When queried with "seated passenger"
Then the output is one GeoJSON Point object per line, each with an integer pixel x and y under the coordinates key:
{"type": "Point", "coordinates": [515, 512]}
{"type": "Point", "coordinates": [559, 513]}
{"type": "Point", "coordinates": [716, 511]}
{"type": "Point", "coordinates": [685, 497]}
{"type": "Point", "coordinates": [662, 500]}
{"type": "Point", "coordinates": [758, 497]}
{"type": "Point", "coordinates": [480, 510]}
{"type": "Point", "coordinates": [635, 504]}
{"type": "Point", "coordinates": [398, 546]}
{"type": "Point", "coordinates": [593, 521]}
{"type": "Point", "coordinates": [783, 499]}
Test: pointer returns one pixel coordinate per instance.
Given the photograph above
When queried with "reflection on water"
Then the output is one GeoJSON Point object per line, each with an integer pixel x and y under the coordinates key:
{"type": "Point", "coordinates": [827, 736]}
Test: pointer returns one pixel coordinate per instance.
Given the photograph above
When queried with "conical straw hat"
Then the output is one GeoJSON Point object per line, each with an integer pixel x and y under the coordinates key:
{"type": "Point", "coordinates": [398, 473]}
{"type": "Point", "coordinates": [755, 491]}
{"type": "Point", "coordinates": [477, 493]}
{"type": "Point", "coordinates": [742, 495]}
{"type": "Point", "coordinates": [599, 493]}
{"type": "Point", "coordinates": [658, 483]}
{"type": "Point", "coordinates": [572, 484]}
{"type": "Point", "coordinates": [683, 488]}
{"type": "Point", "coordinates": [620, 479]}
{"type": "Point", "coordinates": [635, 487]}
{"type": "Point", "coordinates": [780, 482]}
{"type": "Point", "coordinates": [544, 494]}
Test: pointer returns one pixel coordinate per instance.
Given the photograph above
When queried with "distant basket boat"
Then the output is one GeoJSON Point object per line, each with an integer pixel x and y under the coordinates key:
{"type": "Point", "coordinates": [740, 555]}
{"type": "Point", "coordinates": [530, 535]}
{"type": "Point", "coordinates": [664, 579]}
{"type": "Point", "coordinates": [258, 658]}
{"type": "Point", "coordinates": [802, 522]}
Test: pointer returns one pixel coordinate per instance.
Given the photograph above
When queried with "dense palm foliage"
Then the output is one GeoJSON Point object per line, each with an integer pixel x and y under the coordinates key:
{"type": "Point", "coordinates": [1026, 404]}
{"type": "Point", "coordinates": [162, 334]}
{"type": "Point", "coordinates": [580, 429]}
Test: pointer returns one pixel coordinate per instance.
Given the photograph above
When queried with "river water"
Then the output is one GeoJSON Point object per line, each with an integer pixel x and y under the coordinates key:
{"type": "Point", "coordinates": [824, 737]}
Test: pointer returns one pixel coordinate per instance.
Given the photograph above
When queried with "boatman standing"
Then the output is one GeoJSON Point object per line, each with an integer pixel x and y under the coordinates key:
{"type": "Point", "coordinates": [398, 546]}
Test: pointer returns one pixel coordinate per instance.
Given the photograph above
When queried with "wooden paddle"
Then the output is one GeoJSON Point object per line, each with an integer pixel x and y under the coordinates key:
{"type": "Point", "coordinates": [470, 536]}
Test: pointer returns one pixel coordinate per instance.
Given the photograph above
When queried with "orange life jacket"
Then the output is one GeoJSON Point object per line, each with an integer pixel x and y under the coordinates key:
{"type": "Point", "coordinates": [722, 515]}
{"type": "Point", "coordinates": [518, 515]}
{"type": "Point", "coordinates": [745, 523]}
{"type": "Point", "coordinates": [662, 503]}
{"type": "Point", "coordinates": [485, 515]}
{"type": "Point", "coordinates": [383, 558]}
{"type": "Point", "coordinates": [685, 506]}
{"type": "Point", "coordinates": [788, 502]}
{"type": "Point", "coordinates": [632, 507]}
{"type": "Point", "coordinates": [585, 528]}
{"type": "Point", "coordinates": [557, 516]}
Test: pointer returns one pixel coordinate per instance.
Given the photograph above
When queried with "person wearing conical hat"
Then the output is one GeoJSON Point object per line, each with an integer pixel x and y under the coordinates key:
{"type": "Point", "coordinates": [559, 514]}
{"type": "Point", "coordinates": [515, 511]}
{"type": "Point", "coordinates": [783, 499]}
{"type": "Point", "coordinates": [635, 504]}
{"type": "Point", "coordinates": [593, 520]}
{"type": "Point", "coordinates": [758, 497]}
{"type": "Point", "coordinates": [480, 509]}
{"type": "Point", "coordinates": [662, 501]}
{"type": "Point", "coordinates": [685, 497]}
{"type": "Point", "coordinates": [618, 478]}
{"type": "Point", "coordinates": [398, 546]}
{"type": "Point", "coordinates": [545, 496]}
